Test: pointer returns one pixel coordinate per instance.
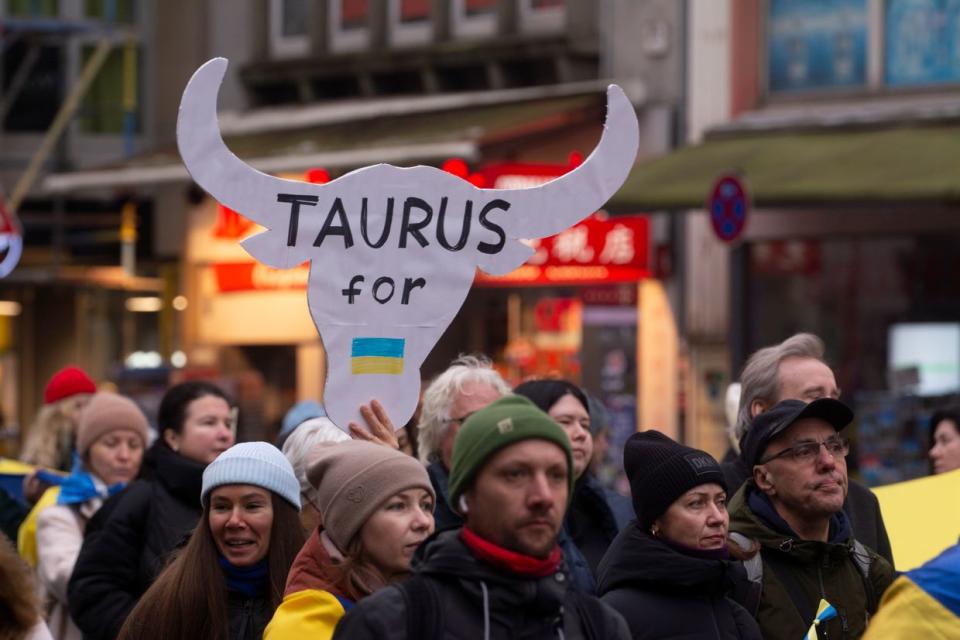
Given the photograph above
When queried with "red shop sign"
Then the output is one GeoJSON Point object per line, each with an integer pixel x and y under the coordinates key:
{"type": "Point", "coordinates": [234, 277]}
{"type": "Point", "coordinates": [595, 251]}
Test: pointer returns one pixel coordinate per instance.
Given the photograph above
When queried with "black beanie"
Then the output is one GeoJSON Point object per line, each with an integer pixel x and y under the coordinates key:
{"type": "Point", "coordinates": [661, 470]}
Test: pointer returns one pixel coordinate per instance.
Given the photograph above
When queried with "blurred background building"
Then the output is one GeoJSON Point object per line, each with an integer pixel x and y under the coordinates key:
{"type": "Point", "coordinates": [838, 116]}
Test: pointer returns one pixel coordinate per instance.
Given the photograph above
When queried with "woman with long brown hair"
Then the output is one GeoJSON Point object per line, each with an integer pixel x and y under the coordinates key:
{"type": "Point", "coordinates": [376, 508]}
{"type": "Point", "coordinates": [230, 577]}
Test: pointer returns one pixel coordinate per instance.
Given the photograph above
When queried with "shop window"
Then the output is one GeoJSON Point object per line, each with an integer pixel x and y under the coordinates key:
{"type": "Point", "coordinates": [102, 110]}
{"type": "Point", "coordinates": [921, 43]}
{"type": "Point", "coordinates": [888, 315]}
{"type": "Point", "coordinates": [41, 95]}
{"type": "Point", "coordinates": [349, 25]}
{"type": "Point", "coordinates": [410, 22]}
{"type": "Point", "coordinates": [33, 8]}
{"type": "Point", "coordinates": [816, 45]}
{"type": "Point", "coordinates": [473, 18]}
{"type": "Point", "coordinates": [538, 16]}
{"type": "Point", "coordinates": [124, 10]}
{"type": "Point", "coordinates": [289, 33]}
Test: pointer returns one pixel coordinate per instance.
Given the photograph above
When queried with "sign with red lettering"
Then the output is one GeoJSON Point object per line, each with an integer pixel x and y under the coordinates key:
{"type": "Point", "coordinates": [595, 251]}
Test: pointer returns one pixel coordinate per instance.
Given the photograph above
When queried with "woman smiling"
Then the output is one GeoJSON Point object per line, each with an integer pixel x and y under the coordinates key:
{"type": "Point", "coordinates": [229, 579]}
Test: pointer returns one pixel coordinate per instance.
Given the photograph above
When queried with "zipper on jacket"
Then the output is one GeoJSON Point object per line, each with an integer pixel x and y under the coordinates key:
{"type": "Point", "coordinates": [713, 616]}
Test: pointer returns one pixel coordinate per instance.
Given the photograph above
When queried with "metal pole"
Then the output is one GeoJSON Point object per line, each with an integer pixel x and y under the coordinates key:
{"type": "Point", "coordinates": [60, 123]}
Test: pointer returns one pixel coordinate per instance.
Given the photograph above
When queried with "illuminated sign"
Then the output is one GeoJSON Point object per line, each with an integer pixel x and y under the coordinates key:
{"type": "Point", "coordinates": [598, 250]}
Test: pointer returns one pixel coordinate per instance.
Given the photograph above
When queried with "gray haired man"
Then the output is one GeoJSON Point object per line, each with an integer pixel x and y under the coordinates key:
{"type": "Point", "coordinates": [469, 384]}
{"type": "Point", "coordinates": [795, 370]}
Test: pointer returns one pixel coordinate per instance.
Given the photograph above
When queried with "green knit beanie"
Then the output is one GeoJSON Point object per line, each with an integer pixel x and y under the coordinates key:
{"type": "Point", "coordinates": [500, 424]}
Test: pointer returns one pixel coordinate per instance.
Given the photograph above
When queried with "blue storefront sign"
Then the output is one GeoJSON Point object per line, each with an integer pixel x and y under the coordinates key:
{"type": "Point", "coordinates": [922, 42]}
{"type": "Point", "coordinates": [816, 45]}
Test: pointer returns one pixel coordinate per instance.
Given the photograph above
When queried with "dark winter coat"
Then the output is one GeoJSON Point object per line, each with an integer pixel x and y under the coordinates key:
{"type": "Point", "coordinates": [594, 518]}
{"type": "Point", "coordinates": [124, 552]}
{"type": "Point", "coordinates": [663, 593]}
{"type": "Point", "coordinates": [248, 616]}
{"type": "Point", "coordinates": [817, 570]}
{"type": "Point", "coordinates": [861, 506]}
{"type": "Point", "coordinates": [444, 517]}
{"type": "Point", "coordinates": [478, 600]}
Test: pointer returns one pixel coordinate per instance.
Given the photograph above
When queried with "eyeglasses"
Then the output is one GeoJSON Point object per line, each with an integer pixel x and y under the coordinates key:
{"type": "Point", "coordinates": [807, 452]}
{"type": "Point", "coordinates": [459, 420]}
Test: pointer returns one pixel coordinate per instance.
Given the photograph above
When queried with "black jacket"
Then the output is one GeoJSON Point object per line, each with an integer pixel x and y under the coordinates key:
{"type": "Point", "coordinates": [477, 600]}
{"type": "Point", "coordinates": [663, 593]}
{"type": "Point", "coordinates": [861, 507]}
{"type": "Point", "coordinates": [127, 549]}
{"type": "Point", "coordinates": [248, 616]}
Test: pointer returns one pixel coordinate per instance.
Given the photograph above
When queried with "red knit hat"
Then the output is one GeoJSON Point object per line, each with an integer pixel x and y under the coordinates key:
{"type": "Point", "coordinates": [67, 382]}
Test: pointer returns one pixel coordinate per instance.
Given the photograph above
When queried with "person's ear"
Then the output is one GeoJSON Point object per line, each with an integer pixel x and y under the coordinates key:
{"type": "Point", "coordinates": [762, 478]}
{"type": "Point", "coordinates": [757, 407]}
{"type": "Point", "coordinates": [172, 438]}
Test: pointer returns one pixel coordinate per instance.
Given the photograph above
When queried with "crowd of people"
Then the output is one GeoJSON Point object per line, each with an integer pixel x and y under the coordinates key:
{"type": "Point", "coordinates": [481, 518]}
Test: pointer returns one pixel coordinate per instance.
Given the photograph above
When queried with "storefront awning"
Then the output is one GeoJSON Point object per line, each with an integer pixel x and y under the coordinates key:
{"type": "Point", "coordinates": [908, 164]}
{"type": "Point", "coordinates": [402, 137]}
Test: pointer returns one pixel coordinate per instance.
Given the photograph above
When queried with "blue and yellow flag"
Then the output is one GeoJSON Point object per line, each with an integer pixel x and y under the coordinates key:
{"type": "Point", "coordinates": [377, 355]}
{"type": "Point", "coordinates": [825, 611]}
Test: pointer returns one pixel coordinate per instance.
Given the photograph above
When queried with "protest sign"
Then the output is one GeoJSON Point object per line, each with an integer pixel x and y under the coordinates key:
{"type": "Point", "coordinates": [392, 251]}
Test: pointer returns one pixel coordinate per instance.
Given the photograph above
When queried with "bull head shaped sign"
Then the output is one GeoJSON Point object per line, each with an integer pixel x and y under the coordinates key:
{"type": "Point", "coordinates": [393, 251]}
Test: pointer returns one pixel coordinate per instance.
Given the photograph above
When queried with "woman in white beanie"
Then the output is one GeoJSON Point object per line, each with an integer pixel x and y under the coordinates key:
{"type": "Point", "coordinates": [230, 577]}
{"type": "Point", "coordinates": [111, 436]}
{"type": "Point", "coordinates": [376, 506]}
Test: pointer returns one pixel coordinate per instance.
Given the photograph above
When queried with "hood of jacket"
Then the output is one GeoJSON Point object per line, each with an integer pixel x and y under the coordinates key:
{"type": "Point", "coordinates": [313, 569]}
{"type": "Point", "coordinates": [754, 516]}
{"type": "Point", "coordinates": [180, 475]}
{"type": "Point", "coordinates": [446, 557]}
{"type": "Point", "coordinates": [638, 560]}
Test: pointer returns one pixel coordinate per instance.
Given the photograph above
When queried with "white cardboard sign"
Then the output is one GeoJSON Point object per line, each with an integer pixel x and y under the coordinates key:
{"type": "Point", "coordinates": [393, 251]}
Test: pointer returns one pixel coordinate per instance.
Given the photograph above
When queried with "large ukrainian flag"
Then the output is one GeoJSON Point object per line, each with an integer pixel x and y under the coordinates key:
{"type": "Point", "coordinates": [377, 355]}
{"type": "Point", "coordinates": [923, 604]}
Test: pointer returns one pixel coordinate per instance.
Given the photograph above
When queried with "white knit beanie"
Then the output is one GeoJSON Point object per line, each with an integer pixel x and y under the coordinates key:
{"type": "Point", "coordinates": [258, 463]}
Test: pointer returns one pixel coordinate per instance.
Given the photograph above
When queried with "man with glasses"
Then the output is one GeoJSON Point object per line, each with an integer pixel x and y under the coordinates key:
{"type": "Point", "coordinates": [795, 370]}
{"type": "Point", "coordinates": [469, 384]}
{"type": "Point", "coordinates": [792, 507]}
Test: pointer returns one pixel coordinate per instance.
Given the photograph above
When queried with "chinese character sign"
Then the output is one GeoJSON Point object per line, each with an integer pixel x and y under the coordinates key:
{"type": "Point", "coordinates": [596, 251]}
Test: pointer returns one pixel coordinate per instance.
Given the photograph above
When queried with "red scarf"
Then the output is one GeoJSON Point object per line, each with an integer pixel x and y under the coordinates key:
{"type": "Point", "coordinates": [518, 563]}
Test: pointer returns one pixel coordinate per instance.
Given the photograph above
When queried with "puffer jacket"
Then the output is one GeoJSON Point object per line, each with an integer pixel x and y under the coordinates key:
{"type": "Point", "coordinates": [478, 600]}
{"type": "Point", "coordinates": [130, 540]}
{"type": "Point", "coordinates": [663, 593]}
{"type": "Point", "coordinates": [314, 599]}
{"type": "Point", "coordinates": [594, 518]}
{"type": "Point", "coordinates": [820, 570]}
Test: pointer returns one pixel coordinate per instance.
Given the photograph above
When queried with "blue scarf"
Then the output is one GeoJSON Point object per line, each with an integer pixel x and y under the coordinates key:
{"type": "Point", "coordinates": [79, 486]}
{"type": "Point", "coordinates": [251, 581]}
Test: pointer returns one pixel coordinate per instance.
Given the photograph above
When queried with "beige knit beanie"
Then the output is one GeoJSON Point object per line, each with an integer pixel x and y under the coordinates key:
{"type": "Point", "coordinates": [107, 412]}
{"type": "Point", "coordinates": [354, 478]}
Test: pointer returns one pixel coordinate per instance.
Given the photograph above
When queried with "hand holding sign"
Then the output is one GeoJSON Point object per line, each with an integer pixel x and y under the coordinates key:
{"type": "Point", "coordinates": [392, 250]}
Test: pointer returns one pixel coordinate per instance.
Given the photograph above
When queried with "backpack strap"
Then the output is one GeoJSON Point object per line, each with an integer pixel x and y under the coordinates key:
{"type": "Point", "coordinates": [754, 568]}
{"type": "Point", "coordinates": [862, 558]}
{"type": "Point", "coordinates": [423, 607]}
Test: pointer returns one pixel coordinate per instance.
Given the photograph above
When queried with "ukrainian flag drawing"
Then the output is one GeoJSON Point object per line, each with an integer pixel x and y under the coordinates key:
{"type": "Point", "coordinates": [377, 355]}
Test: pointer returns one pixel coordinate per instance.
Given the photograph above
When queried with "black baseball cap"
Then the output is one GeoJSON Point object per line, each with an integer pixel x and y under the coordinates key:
{"type": "Point", "coordinates": [769, 424]}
